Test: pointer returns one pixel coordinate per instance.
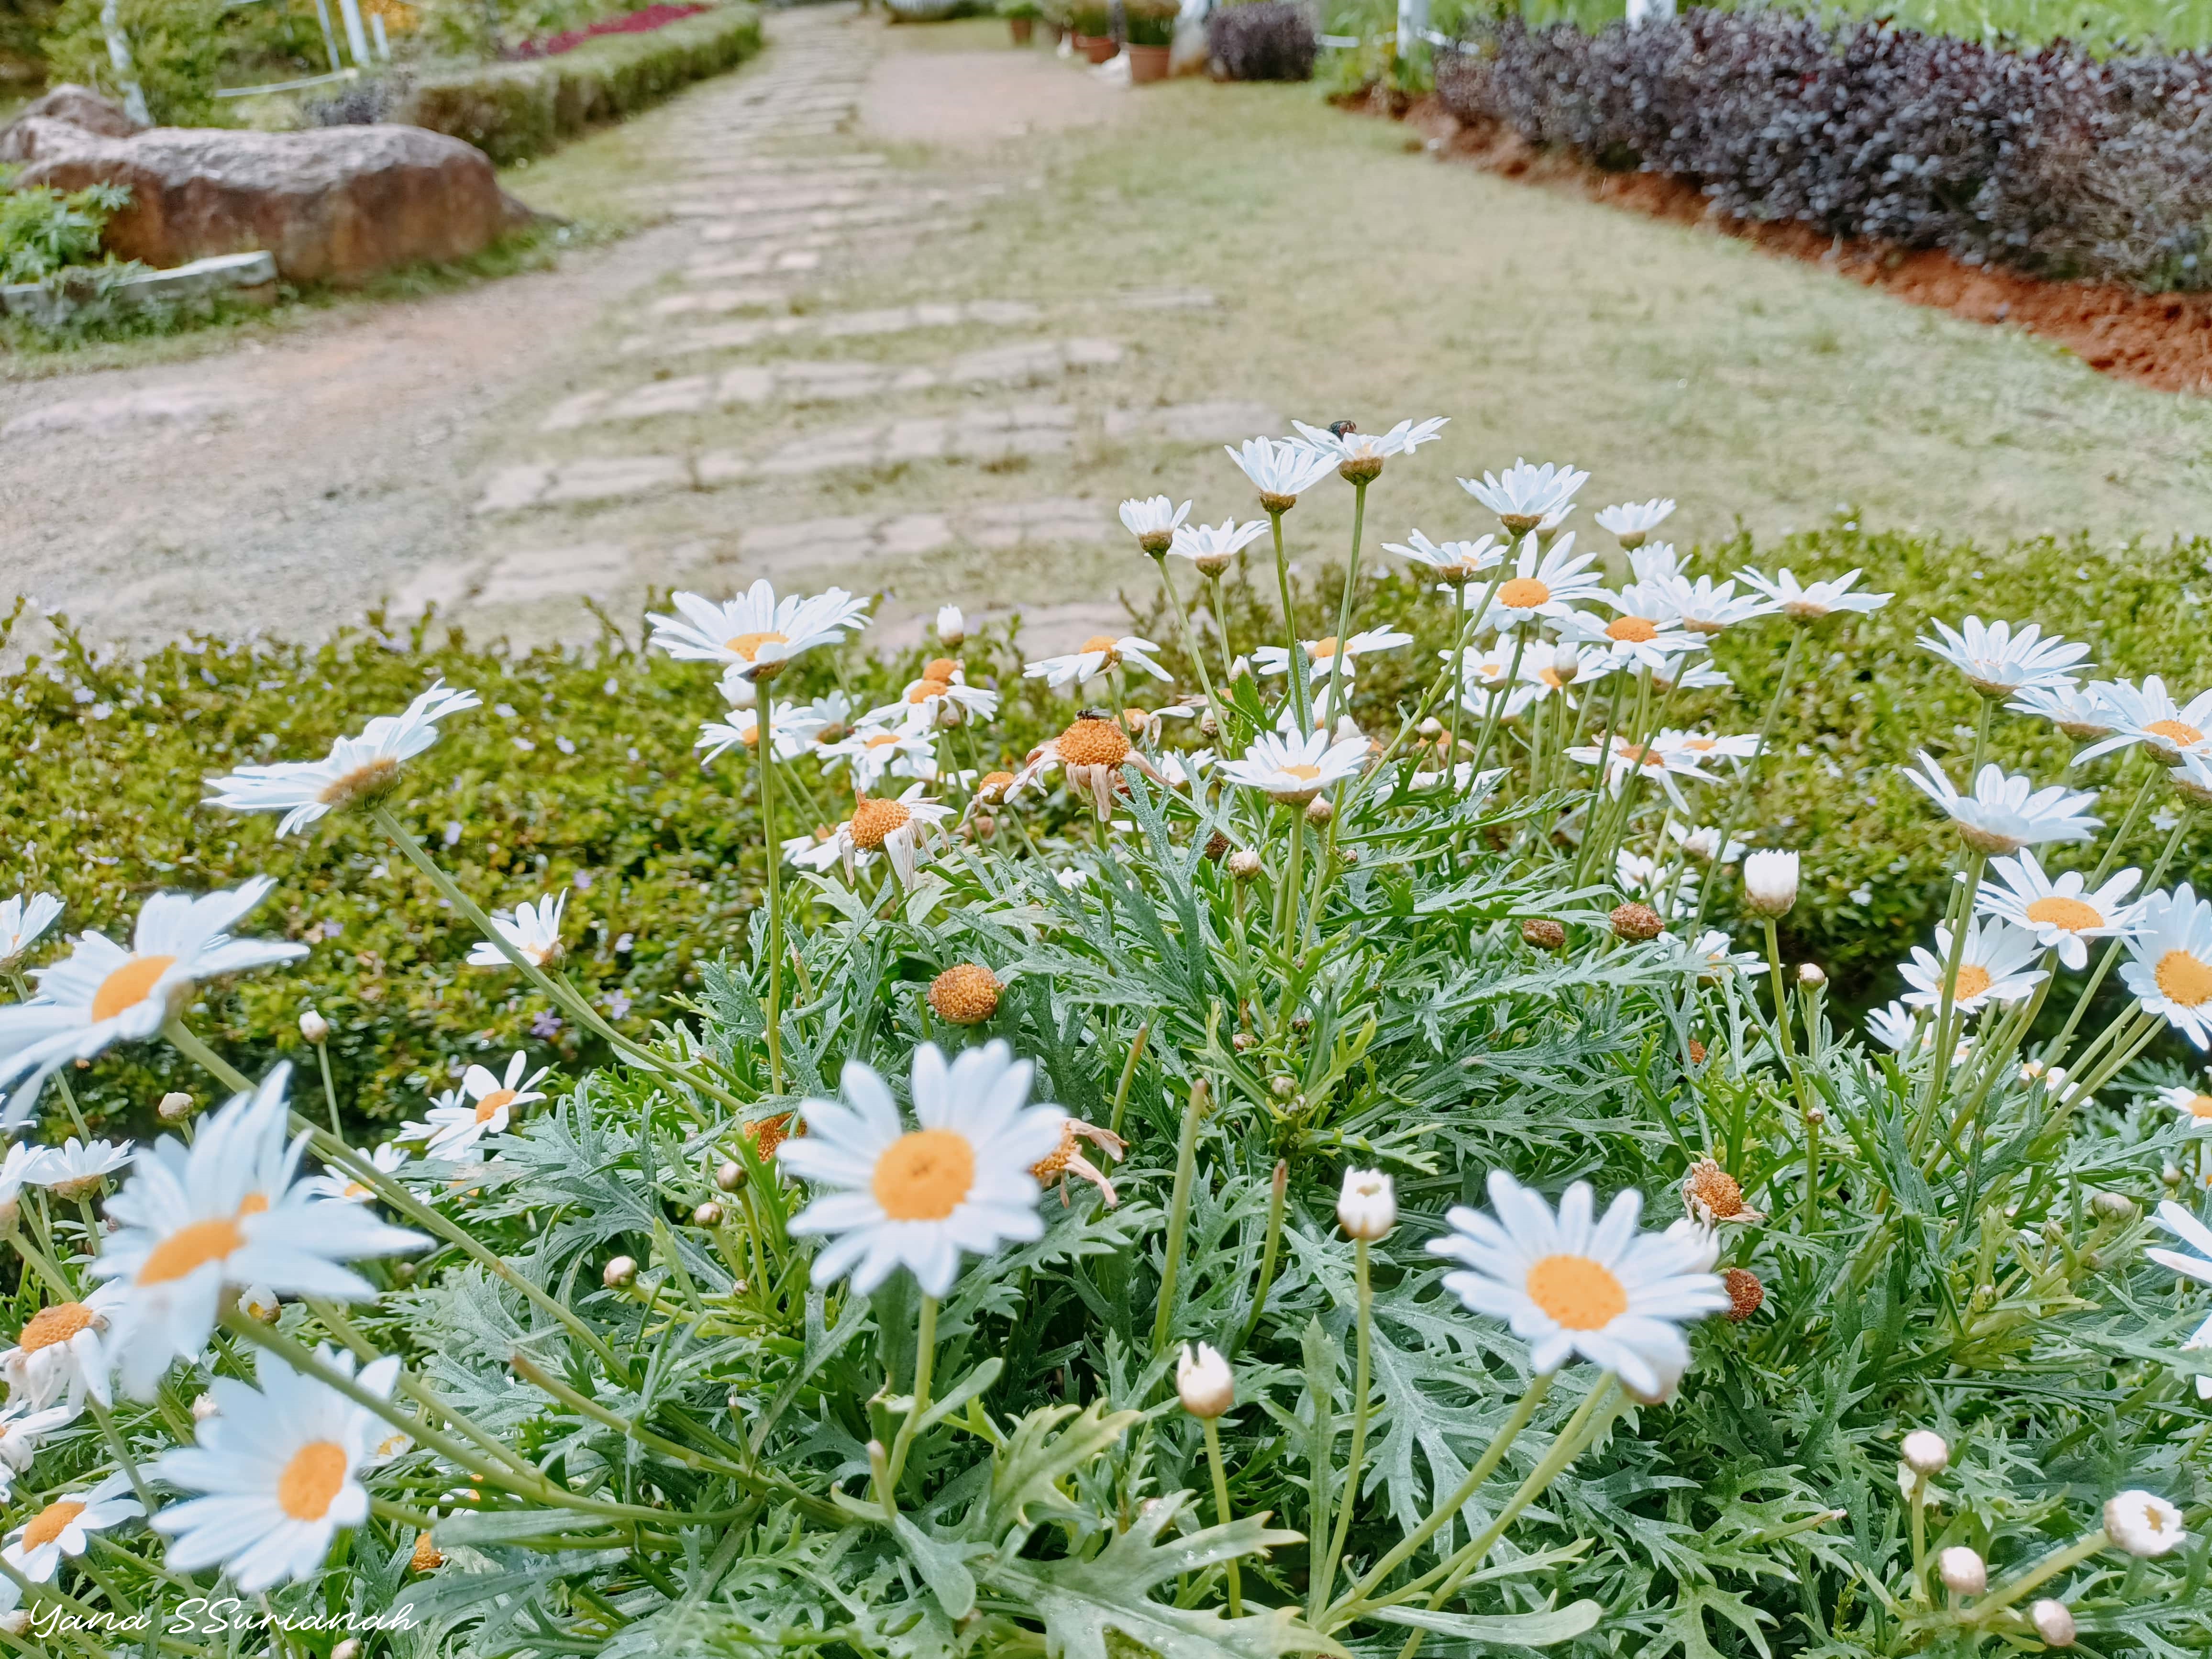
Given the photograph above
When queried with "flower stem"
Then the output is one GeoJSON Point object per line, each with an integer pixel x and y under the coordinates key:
{"type": "Point", "coordinates": [1221, 1510]}
{"type": "Point", "coordinates": [1179, 1213]}
{"type": "Point", "coordinates": [1190, 639]}
{"type": "Point", "coordinates": [1363, 1362]}
{"type": "Point", "coordinates": [130, 1464]}
{"type": "Point", "coordinates": [330, 1088]}
{"type": "Point", "coordinates": [925, 1363]}
{"type": "Point", "coordinates": [774, 849]}
{"type": "Point", "coordinates": [1939, 1068]}
{"type": "Point", "coordinates": [1748, 779]}
{"type": "Point", "coordinates": [1340, 664]}
{"type": "Point", "coordinates": [1499, 697]}
{"type": "Point", "coordinates": [1129, 1075]}
{"type": "Point", "coordinates": [1277, 1192]}
{"type": "Point", "coordinates": [1290, 628]}
{"type": "Point", "coordinates": [2048, 1568]}
{"type": "Point", "coordinates": [205, 1058]}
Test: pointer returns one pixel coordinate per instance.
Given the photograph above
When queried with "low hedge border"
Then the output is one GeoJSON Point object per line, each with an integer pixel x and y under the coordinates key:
{"type": "Point", "coordinates": [514, 110]}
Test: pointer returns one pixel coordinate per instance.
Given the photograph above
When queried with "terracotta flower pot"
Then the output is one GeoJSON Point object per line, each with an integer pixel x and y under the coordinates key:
{"type": "Point", "coordinates": [1146, 63]}
{"type": "Point", "coordinates": [1021, 27]}
{"type": "Point", "coordinates": [1095, 47]}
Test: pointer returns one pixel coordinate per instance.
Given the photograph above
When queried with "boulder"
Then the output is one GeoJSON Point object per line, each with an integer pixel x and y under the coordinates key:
{"type": "Point", "coordinates": [336, 204]}
{"type": "Point", "coordinates": [73, 106]}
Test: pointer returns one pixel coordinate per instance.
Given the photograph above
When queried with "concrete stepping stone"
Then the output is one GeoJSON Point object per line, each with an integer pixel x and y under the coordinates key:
{"type": "Point", "coordinates": [839, 325]}
{"type": "Point", "coordinates": [1223, 420]}
{"type": "Point", "coordinates": [599, 569]}
{"type": "Point", "coordinates": [767, 263]}
{"type": "Point", "coordinates": [1166, 299]}
{"type": "Point", "coordinates": [720, 302]}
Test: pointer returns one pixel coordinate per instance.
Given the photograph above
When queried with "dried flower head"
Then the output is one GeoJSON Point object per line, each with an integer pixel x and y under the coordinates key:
{"type": "Point", "coordinates": [874, 818]}
{"type": "Point", "coordinates": [966, 994]}
{"type": "Point", "coordinates": [1067, 1159]}
{"type": "Point", "coordinates": [1636, 922]}
{"type": "Point", "coordinates": [1544, 933]}
{"type": "Point", "coordinates": [1713, 1195]}
{"type": "Point", "coordinates": [428, 1557]}
{"type": "Point", "coordinates": [1745, 1294]}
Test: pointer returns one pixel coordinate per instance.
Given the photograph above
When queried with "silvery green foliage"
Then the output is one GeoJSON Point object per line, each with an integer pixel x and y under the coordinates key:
{"type": "Point", "coordinates": [2054, 161]}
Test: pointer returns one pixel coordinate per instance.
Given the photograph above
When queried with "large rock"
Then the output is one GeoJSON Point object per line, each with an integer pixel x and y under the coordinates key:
{"type": "Point", "coordinates": [74, 105]}
{"type": "Point", "coordinates": [337, 204]}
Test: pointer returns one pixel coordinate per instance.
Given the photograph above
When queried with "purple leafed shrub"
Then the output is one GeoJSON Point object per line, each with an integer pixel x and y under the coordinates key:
{"type": "Point", "coordinates": [1265, 41]}
{"type": "Point", "coordinates": [2054, 162]}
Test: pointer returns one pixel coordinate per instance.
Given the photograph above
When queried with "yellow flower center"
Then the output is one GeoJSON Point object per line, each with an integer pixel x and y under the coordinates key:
{"type": "Point", "coordinates": [190, 1249]}
{"type": "Point", "coordinates": [2180, 732]}
{"type": "Point", "coordinates": [1301, 771]}
{"type": "Point", "coordinates": [925, 1175]}
{"type": "Point", "coordinates": [1632, 630]}
{"type": "Point", "coordinates": [1973, 981]}
{"type": "Point", "coordinates": [129, 985]}
{"type": "Point", "coordinates": [747, 645]}
{"type": "Point", "coordinates": [48, 1523]}
{"type": "Point", "coordinates": [1523, 594]}
{"type": "Point", "coordinates": [2070, 914]}
{"type": "Point", "coordinates": [925, 690]}
{"type": "Point", "coordinates": [1579, 1294]}
{"type": "Point", "coordinates": [2183, 979]}
{"type": "Point", "coordinates": [362, 783]}
{"type": "Point", "coordinates": [881, 739]}
{"type": "Point", "coordinates": [311, 1480]}
{"type": "Point", "coordinates": [494, 1103]}
{"type": "Point", "coordinates": [52, 1325]}
{"type": "Point", "coordinates": [1700, 746]}
{"type": "Point", "coordinates": [873, 820]}
{"type": "Point", "coordinates": [2200, 1106]}
{"type": "Point", "coordinates": [1322, 649]}
{"type": "Point", "coordinates": [1100, 646]}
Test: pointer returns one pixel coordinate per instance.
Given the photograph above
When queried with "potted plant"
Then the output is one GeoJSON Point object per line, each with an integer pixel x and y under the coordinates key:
{"type": "Point", "coordinates": [1092, 21]}
{"type": "Point", "coordinates": [1021, 17]}
{"type": "Point", "coordinates": [1149, 27]}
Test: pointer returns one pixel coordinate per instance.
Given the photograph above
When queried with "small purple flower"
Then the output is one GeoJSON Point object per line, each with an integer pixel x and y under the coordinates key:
{"type": "Point", "coordinates": [618, 1004]}
{"type": "Point", "coordinates": [545, 1024]}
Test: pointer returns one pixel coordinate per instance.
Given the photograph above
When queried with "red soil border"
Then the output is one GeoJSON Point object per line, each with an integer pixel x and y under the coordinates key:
{"type": "Point", "coordinates": [2160, 340]}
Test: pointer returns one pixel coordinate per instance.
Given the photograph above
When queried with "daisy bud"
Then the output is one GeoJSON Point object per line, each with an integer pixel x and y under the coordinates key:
{"type": "Point", "coordinates": [951, 626]}
{"type": "Point", "coordinates": [1240, 669]}
{"type": "Point", "coordinates": [1963, 1570]}
{"type": "Point", "coordinates": [620, 1272]}
{"type": "Point", "coordinates": [203, 1408]}
{"type": "Point", "coordinates": [1244, 864]}
{"type": "Point", "coordinates": [314, 1028]}
{"type": "Point", "coordinates": [2053, 1622]}
{"type": "Point", "coordinates": [2143, 1523]}
{"type": "Point", "coordinates": [2171, 1174]}
{"type": "Point", "coordinates": [709, 1214]}
{"type": "Point", "coordinates": [1319, 811]}
{"type": "Point", "coordinates": [730, 1176]}
{"type": "Point", "coordinates": [1636, 922]}
{"type": "Point", "coordinates": [349, 1649]}
{"type": "Point", "coordinates": [1745, 1294]}
{"type": "Point", "coordinates": [1543, 932]}
{"type": "Point", "coordinates": [1815, 1117]}
{"type": "Point", "coordinates": [2113, 1206]}
{"type": "Point", "coordinates": [16, 1623]}
{"type": "Point", "coordinates": [1204, 1382]}
{"type": "Point", "coordinates": [1770, 883]}
{"type": "Point", "coordinates": [260, 1303]}
{"type": "Point", "coordinates": [1368, 1205]}
{"type": "Point", "coordinates": [175, 1107]}
{"type": "Point", "coordinates": [1245, 1043]}
{"type": "Point", "coordinates": [1811, 975]}
{"type": "Point", "coordinates": [1208, 726]}
{"type": "Point", "coordinates": [1926, 1452]}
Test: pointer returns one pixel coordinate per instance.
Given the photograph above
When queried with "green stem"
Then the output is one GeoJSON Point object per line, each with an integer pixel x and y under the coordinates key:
{"type": "Point", "coordinates": [1129, 1076]}
{"type": "Point", "coordinates": [1277, 1192]}
{"type": "Point", "coordinates": [1361, 1382]}
{"type": "Point", "coordinates": [1939, 1067]}
{"type": "Point", "coordinates": [330, 1089]}
{"type": "Point", "coordinates": [123, 1457]}
{"type": "Point", "coordinates": [1179, 1213]}
{"type": "Point", "coordinates": [2048, 1568]}
{"type": "Point", "coordinates": [1498, 699]}
{"type": "Point", "coordinates": [767, 747]}
{"type": "Point", "coordinates": [1221, 1510]}
{"type": "Point", "coordinates": [1291, 644]}
{"type": "Point", "coordinates": [1341, 665]}
{"type": "Point", "coordinates": [1190, 638]}
{"type": "Point", "coordinates": [206, 1059]}
{"type": "Point", "coordinates": [925, 1363]}
{"type": "Point", "coordinates": [1748, 779]}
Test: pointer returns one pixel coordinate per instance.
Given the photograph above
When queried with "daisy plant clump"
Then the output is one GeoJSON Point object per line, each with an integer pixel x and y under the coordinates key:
{"type": "Point", "coordinates": [1259, 1167]}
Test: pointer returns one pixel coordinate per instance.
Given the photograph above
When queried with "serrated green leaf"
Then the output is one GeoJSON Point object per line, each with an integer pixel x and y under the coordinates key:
{"type": "Point", "coordinates": [1515, 1629]}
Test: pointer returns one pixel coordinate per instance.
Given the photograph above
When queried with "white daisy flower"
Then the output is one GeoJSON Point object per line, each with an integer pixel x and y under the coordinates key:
{"type": "Point", "coordinates": [1706, 747]}
{"type": "Point", "coordinates": [1708, 607]}
{"type": "Point", "coordinates": [2169, 966]}
{"type": "Point", "coordinates": [897, 828]}
{"type": "Point", "coordinates": [1524, 496]}
{"type": "Point", "coordinates": [2003, 813]}
{"type": "Point", "coordinates": [1999, 659]}
{"type": "Point", "coordinates": [1703, 842]}
{"type": "Point", "coordinates": [1455, 563]}
{"type": "Point", "coordinates": [1294, 770]}
{"type": "Point", "coordinates": [2063, 913]}
{"type": "Point", "coordinates": [389, 1159]}
{"type": "Point", "coordinates": [23, 1426]}
{"type": "Point", "coordinates": [1643, 635]}
{"type": "Point", "coordinates": [1809, 601]}
{"type": "Point", "coordinates": [101, 994]}
{"type": "Point", "coordinates": [935, 699]}
{"type": "Point", "coordinates": [1280, 472]}
{"type": "Point", "coordinates": [1628, 759]}
{"type": "Point", "coordinates": [876, 753]}
{"type": "Point", "coordinates": [756, 634]}
{"type": "Point", "coordinates": [1632, 522]}
{"type": "Point", "coordinates": [22, 920]}
{"type": "Point", "coordinates": [1895, 1027]}
{"type": "Point", "coordinates": [1211, 547]}
{"type": "Point", "coordinates": [1576, 1283]}
{"type": "Point", "coordinates": [74, 1171]}
{"type": "Point", "coordinates": [2193, 1107]}
{"type": "Point", "coordinates": [2190, 1231]}
{"type": "Point", "coordinates": [19, 1168]}
{"type": "Point", "coordinates": [63, 1527]}
{"type": "Point", "coordinates": [279, 1468]}
{"type": "Point", "coordinates": [1359, 456]}
{"type": "Point", "coordinates": [534, 930]}
{"type": "Point", "coordinates": [1995, 967]}
{"type": "Point", "coordinates": [2080, 712]}
{"type": "Point", "coordinates": [2148, 715]}
{"type": "Point", "coordinates": [225, 1213]}
{"type": "Point", "coordinates": [959, 1180]}
{"type": "Point", "coordinates": [65, 1351]}
{"type": "Point", "coordinates": [820, 850]}
{"type": "Point", "coordinates": [1093, 658]}
{"type": "Point", "coordinates": [357, 770]}
{"type": "Point", "coordinates": [1689, 673]}
{"type": "Point", "coordinates": [1555, 667]}
{"type": "Point", "coordinates": [484, 1104]}
{"type": "Point", "coordinates": [1544, 583]}
{"type": "Point", "coordinates": [2143, 1523]}
{"type": "Point", "coordinates": [1153, 522]}
{"type": "Point", "coordinates": [1324, 657]}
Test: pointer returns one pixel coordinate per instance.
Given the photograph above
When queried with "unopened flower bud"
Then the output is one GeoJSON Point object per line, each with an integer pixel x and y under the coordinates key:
{"type": "Point", "coordinates": [259, 1302]}
{"type": "Point", "coordinates": [1815, 1117]}
{"type": "Point", "coordinates": [2113, 1206]}
{"type": "Point", "coordinates": [1240, 669]}
{"type": "Point", "coordinates": [621, 1271]}
{"type": "Point", "coordinates": [709, 1214]}
{"type": "Point", "coordinates": [203, 1408]}
{"type": "Point", "coordinates": [1319, 811]}
{"type": "Point", "coordinates": [1770, 883]}
{"type": "Point", "coordinates": [1543, 932]}
{"type": "Point", "coordinates": [1431, 727]}
{"type": "Point", "coordinates": [349, 1649]}
{"type": "Point", "coordinates": [16, 1623]}
{"type": "Point", "coordinates": [175, 1107]}
{"type": "Point", "coordinates": [1204, 1382]}
{"type": "Point", "coordinates": [730, 1175]}
{"type": "Point", "coordinates": [2053, 1622]}
{"type": "Point", "coordinates": [951, 626]}
{"type": "Point", "coordinates": [1926, 1452]}
{"type": "Point", "coordinates": [1245, 1043]}
{"type": "Point", "coordinates": [1367, 1207]}
{"type": "Point", "coordinates": [1208, 727]}
{"type": "Point", "coordinates": [2170, 1175]}
{"type": "Point", "coordinates": [1284, 1087]}
{"type": "Point", "coordinates": [1244, 864]}
{"type": "Point", "coordinates": [314, 1027]}
{"type": "Point", "coordinates": [1811, 975]}
{"type": "Point", "coordinates": [1963, 1570]}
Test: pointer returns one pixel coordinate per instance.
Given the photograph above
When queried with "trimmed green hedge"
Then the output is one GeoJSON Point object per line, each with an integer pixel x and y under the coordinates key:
{"type": "Point", "coordinates": [514, 110]}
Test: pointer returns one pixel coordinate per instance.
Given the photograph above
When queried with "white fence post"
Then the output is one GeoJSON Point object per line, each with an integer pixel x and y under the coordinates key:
{"type": "Point", "coordinates": [356, 35]}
